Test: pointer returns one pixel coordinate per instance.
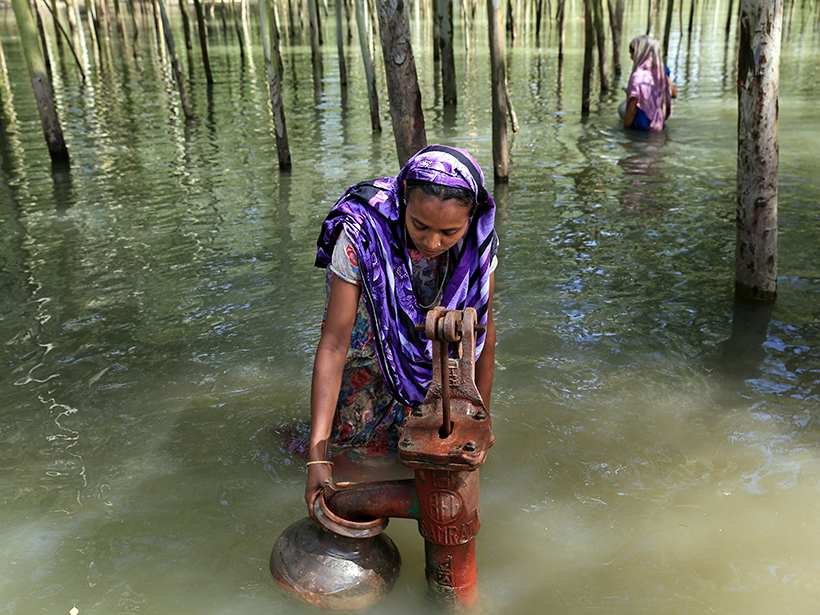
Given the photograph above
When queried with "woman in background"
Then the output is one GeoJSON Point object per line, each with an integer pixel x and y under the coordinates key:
{"type": "Point", "coordinates": [649, 92]}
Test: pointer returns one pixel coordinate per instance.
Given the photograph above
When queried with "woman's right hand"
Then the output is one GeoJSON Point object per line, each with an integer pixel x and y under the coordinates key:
{"type": "Point", "coordinates": [317, 475]}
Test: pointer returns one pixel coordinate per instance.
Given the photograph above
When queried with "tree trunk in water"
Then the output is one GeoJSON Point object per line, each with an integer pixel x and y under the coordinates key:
{"type": "Point", "coordinates": [315, 44]}
{"type": "Point", "coordinates": [562, 29]}
{"type": "Point", "coordinates": [498, 78]}
{"type": "Point", "coordinates": [589, 39]}
{"type": "Point", "coordinates": [340, 43]}
{"type": "Point", "coordinates": [649, 17]}
{"type": "Point", "coordinates": [36, 64]}
{"type": "Point", "coordinates": [761, 26]}
{"type": "Point", "coordinates": [691, 20]}
{"type": "Point", "coordinates": [203, 41]}
{"type": "Point", "coordinates": [402, 80]}
{"type": "Point", "coordinates": [370, 74]}
{"type": "Point", "coordinates": [510, 20]}
{"type": "Point", "coordinates": [186, 24]}
{"type": "Point", "coordinates": [118, 15]}
{"type": "Point", "coordinates": [172, 51]}
{"type": "Point", "coordinates": [274, 83]}
{"type": "Point", "coordinates": [448, 63]}
{"type": "Point", "coordinates": [616, 21]}
{"type": "Point", "coordinates": [600, 38]}
{"type": "Point", "coordinates": [667, 29]}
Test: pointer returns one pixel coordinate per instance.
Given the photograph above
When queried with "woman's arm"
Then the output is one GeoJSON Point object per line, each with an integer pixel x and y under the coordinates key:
{"type": "Point", "coordinates": [673, 91]}
{"type": "Point", "coordinates": [631, 110]}
{"type": "Point", "coordinates": [331, 355]}
{"type": "Point", "coordinates": [485, 365]}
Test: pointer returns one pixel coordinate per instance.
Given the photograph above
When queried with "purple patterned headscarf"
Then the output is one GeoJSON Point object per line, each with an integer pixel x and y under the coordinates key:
{"type": "Point", "coordinates": [370, 214]}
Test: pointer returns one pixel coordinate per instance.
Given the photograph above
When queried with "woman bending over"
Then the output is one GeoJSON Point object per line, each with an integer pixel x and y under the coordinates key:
{"type": "Point", "coordinates": [395, 248]}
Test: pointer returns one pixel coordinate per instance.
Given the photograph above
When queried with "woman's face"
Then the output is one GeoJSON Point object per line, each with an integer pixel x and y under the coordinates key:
{"type": "Point", "coordinates": [434, 226]}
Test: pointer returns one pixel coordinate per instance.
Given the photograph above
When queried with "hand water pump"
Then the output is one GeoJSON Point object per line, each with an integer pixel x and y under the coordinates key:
{"type": "Point", "coordinates": [348, 563]}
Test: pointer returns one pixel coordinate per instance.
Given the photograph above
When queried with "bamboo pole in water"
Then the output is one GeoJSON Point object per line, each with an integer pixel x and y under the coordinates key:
{"type": "Point", "coordinates": [274, 83]}
{"type": "Point", "coordinates": [238, 30]}
{"type": "Point", "coordinates": [186, 24]}
{"type": "Point", "coordinates": [340, 45]}
{"type": "Point", "coordinates": [59, 26]}
{"type": "Point", "coordinates": [616, 22]}
{"type": "Point", "coordinates": [562, 30]}
{"type": "Point", "coordinates": [315, 43]}
{"type": "Point", "coordinates": [203, 41]}
{"type": "Point", "coordinates": [761, 26]}
{"type": "Point", "coordinates": [600, 38]}
{"type": "Point", "coordinates": [667, 29]}
{"type": "Point", "coordinates": [40, 82]}
{"type": "Point", "coordinates": [691, 20]}
{"type": "Point", "coordinates": [589, 40]}
{"type": "Point", "coordinates": [448, 64]}
{"type": "Point", "coordinates": [402, 80]}
{"type": "Point", "coordinates": [498, 81]}
{"type": "Point", "coordinates": [369, 73]}
{"type": "Point", "coordinates": [172, 52]}
{"type": "Point", "coordinates": [511, 20]}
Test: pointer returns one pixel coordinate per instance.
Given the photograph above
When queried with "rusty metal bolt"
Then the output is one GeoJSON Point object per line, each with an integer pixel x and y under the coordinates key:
{"type": "Point", "coordinates": [470, 447]}
{"type": "Point", "coordinates": [407, 443]}
{"type": "Point", "coordinates": [480, 416]}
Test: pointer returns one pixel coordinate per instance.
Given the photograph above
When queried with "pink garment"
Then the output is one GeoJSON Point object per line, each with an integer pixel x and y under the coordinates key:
{"type": "Point", "coordinates": [648, 82]}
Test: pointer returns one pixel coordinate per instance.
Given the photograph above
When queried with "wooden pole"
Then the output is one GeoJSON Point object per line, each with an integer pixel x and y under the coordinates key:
{"type": "Point", "coordinates": [498, 80]}
{"type": "Point", "coordinates": [667, 29]}
{"type": "Point", "coordinates": [186, 24]}
{"type": "Point", "coordinates": [203, 41]}
{"type": "Point", "coordinates": [402, 80]}
{"type": "Point", "coordinates": [172, 51]}
{"type": "Point", "coordinates": [370, 74]}
{"type": "Point", "coordinates": [448, 64]}
{"type": "Point", "coordinates": [315, 44]}
{"type": "Point", "coordinates": [562, 29]}
{"type": "Point", "coordinates": [340, 43]}
{"type": "Point", "coordinates": [600, 38]}
{"type": "Point", "coordinates": [40, 82]}
{"type": "Point", "coordinates": [274, 84]}
{"type": "Point", "coordinates": [589, 40]}
{"type": "Point", "coordinates": [616, 22]}
{"type": "Point", "coordinates": [761, 27]}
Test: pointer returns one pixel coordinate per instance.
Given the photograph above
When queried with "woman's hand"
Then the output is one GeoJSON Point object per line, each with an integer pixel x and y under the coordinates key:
{"type": "Point", "coordinates": [317, 475]}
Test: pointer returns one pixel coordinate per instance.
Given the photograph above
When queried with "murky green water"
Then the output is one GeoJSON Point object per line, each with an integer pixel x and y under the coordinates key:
{"type": "Point", "coordinates": [160, 310]}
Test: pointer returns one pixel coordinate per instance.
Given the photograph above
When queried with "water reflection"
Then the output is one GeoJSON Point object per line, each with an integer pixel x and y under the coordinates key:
{"type": "Point", "coordinates": [643, 165]}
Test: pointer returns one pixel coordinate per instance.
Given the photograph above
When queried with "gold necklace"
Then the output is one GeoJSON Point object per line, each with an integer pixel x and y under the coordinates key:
{"type": "Point", "coordinates": [444, 273]}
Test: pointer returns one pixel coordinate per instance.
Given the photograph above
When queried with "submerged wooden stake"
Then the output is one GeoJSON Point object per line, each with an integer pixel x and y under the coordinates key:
{"type": "Point", "coordinates": [448, 65]}
{"type": "Point", "coordinates": [274, 84]}
{"type": "Point", "coordinates": [498, 78]}
{"type": "Point", "coordinates": [369, 73]}
{"type": "Point", "coordinates": [172, 51]}
{"type": "Point", "coordinates": [40, 82]}
{"type": "Point", "coordinates": [203, 41]}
